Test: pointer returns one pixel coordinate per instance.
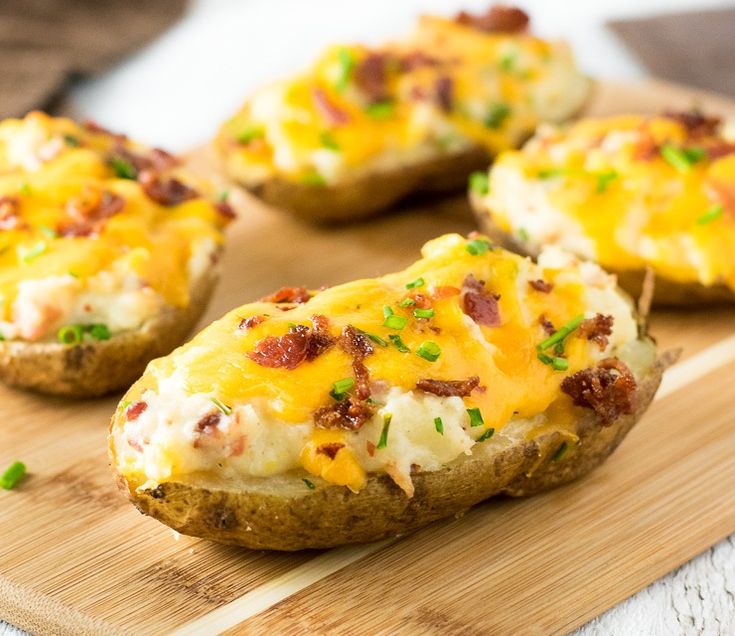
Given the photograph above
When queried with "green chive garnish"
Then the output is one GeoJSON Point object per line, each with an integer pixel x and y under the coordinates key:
{"type": "Point", "coordinates": [251, 133]}
{"type": "Point", "coordinates": [559, 364]}
{"type": "Point", "coordinates": [34, 252]}
{"type": "Point", "coordinates": [682, 158]}
{"type": "Point", "coordinates": [72, 140]}
{"type": "Point", "coordinates": [70, 334]}
{"type": "Point", "coordinates": [712, 214]}
{"type": "Point", "coordinates": [419, 282]}
{"type": "Point", "coordinates": [496, 115]}
{"type": "Point", "coordinates": [123, 168]}
{"type": "Point", "coordinates": [392, 321]}
{"type": "Point", "coordinates": [14, 473]}
{"type": "Point", "coordinates": [341, 387]}
{"type": "Point", "coordinates": [73, 274]}
{"type": "Point", "coordinates": [478, 246]}
{"type": "Point", "coordinates": [376, 339]}
{"type": "Point", "coordinates": [227, 410]}
{"type": "Point", "coordinates": [475, 417]}
{"type": "Point", "coordinates": [380, 110]}
{"type": "Point", "coordinates": [561, 334]}
{"type": "Point", "coordinates": [309, 484]}
{"type": "Point", "coordinates": [383, 441]}
{"type": "Point", "coordinates": [407, 302]}
{"type": "Point", "coordinates": [25, 188]}
{"type": "Point", "coordinates": [328, 141]}
{"type": "Point", "coordinates": [544, 358]}
{"type": "Point", "coordinates": [560, 452]}
{"type": "Point", "coordinates": [429, 350]}
{"type": "Point", "coordinates": [346, 64]}
{"type": "Point", "coordinates": [125, 404]}
{"type": "Point", "coordinates": [479, 182]}
{"type": "Point", "coordinates": [100, 332]}
{"type": "Point", "coordinates": [439, 425]}
{"type": "Point", "coordinates": [604, 179]}
{"type": "Point", "coordinates": [507, 62]}
{"type": "Point", "coordinates": [47, 231]}
{"type": "Point", "coordinates": [223, 196]}
{"type": "Point", "coordinates": [313, 178]}
{"type": "Point", "coordinates": [400, 345]}
{"type": "Point", "coordinates": [486, 435]}
{"type": "Point", "coordinates": [550, 173]}
{"type": "Point", "coordinates": [523, 234]}
{"type": "Point", "coordinates": [423, 313]}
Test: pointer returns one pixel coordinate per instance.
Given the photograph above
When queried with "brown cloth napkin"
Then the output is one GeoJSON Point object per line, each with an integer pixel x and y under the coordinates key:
{"type": "Point", "coordinates": [46, 43]}
{"type": "Point", "coordinates": [696, 48]}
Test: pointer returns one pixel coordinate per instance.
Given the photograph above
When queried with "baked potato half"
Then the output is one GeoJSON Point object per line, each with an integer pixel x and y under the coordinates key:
{"type": "Point", "coordinates": [314, 419]}
{"type": "Point", "coordinates": [364, 127]}
{"type": "Point", "coordinates": [631, 192]}
{"type": "Point", "coordinates": [108, 255]}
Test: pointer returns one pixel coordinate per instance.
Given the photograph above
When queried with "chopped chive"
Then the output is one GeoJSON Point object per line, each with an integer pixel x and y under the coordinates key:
{"type": "Point", "coordinates": [561, 334]}
{"type": "Point", "coordinates": [125, 404]}
{"type": "Point", "coordinates": [341, 387]}
{"type": "Point", "coordinates": [387, 311]}
{"type": "Point", "coordinates": [419, 282]}
{"type": "Point", "coordinates": [100, 331]}
{"type": "Point", "coordinates": [380, 110]}
{"type": "Point", "coordinates": [507, 62]}
{"type": "Point", "coordinates": [559, 364]}
{"type": "Point", "coordinates": [70, 334]}
{"type": "Point", "coordinates": [429, 350]}
{"type": "Point", "coordinates": [376, 339]}
{"type": "Point", "coordinates": [695, 153]}
{"type": "Point", "coordinates": [423, 313]}
{"type": "Point", "coordinates": [604, 179]}
{"type": "Point", "coordinates": [123, 168]}
{"type": "Point", "coordinates": [10, 478]}
{"type": "Point", "coordinates": [439, 425]}
{"type": "Point", "coordinates": [475, 417]}
{"type": "Point", "coordinates": [47, 231]}
{"type": "Point", "coordinates": [478, 246]}
{"type": "Point", "coordinates": [559, 453]}
{"type": "Point", "coordinates": [523, 234]}
{"type": "Point", "coordinates": [346, 64]}
{"type": "Point", "coordinates": [2, 337]}
{"type": "Point", "coordinates": [313, 178]}
{"type": "Point", "coordinates": [479, 182]}
{"type": "Point", "coordinates": [398, 342]}
{"type": "Point", "coordinates": [227, 410]}
{"type": "Point", "coordinates": [34, 252]}
{"type": "Point", "coordinates": [486, 435]}
{"type": "Point", "coordinates": [25, 188]}
{"type": "Point", "coordinates": [72, 140]}
{"type": "Point", "coordinates": [73, 274]}
{"type": "Point", "coordinates": [395, 322]}
{"type": "Point", "coordinates": [496, 115]}
{"type": "Point", "coordinates": [681, 158]}
{"type": "Point", "coordinates": [383, 441]}
{"type": "Point", "coordinates": [251, 133]}
{"type": "Point", "coordinates": [559, 348]}
{"type": "Point", "coordinates": [223, 196]}
{"type": "Point", "coordinates": [309, 484]}
{"type": "Point", "coordinates": [407, 302]}
{"type": "Point", "coordinates": [328, 141]}
{"type": "Point", "coordinates": [544, 358]}
{"type": "Point", "coordinates": [550, 173]}
{"type": "Point", "coordinates": [712, 214]}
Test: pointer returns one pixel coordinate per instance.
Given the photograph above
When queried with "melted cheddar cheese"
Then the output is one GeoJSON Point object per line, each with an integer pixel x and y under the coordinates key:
{"type": "Point", "coordinates": [81, 240]}
{"type": "Point", "coordinates": [445, 88]}
{"type": "Point", "coordinates": [265, 424]}
{"type": "Point", "coordinates": [627, 191]}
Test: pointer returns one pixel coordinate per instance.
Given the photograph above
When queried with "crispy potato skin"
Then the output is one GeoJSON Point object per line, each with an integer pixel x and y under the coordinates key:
{"type": "Point", "coordinates": [667, 293]}
{"type": "Point", "coordinates": [284, 514]}
{"type": "Point", "coordinates": [92, 369]}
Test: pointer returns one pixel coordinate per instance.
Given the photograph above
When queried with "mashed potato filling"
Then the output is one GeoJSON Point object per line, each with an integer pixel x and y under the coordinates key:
{"type": "Point", "coordinates": [211, 406]}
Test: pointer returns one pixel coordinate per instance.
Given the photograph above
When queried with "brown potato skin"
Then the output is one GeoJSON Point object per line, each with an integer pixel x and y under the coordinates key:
{"type": "Point", "coordinates": [93, 369]}
{"type": "Point", "coordinates": [667, 293]}
{"type": "Point", "coordinates": [284, 514]}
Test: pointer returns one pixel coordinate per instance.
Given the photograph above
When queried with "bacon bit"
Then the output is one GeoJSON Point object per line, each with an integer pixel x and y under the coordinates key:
{"type": "Point", "coordinates": [349, 414]}
{"type": "Point", "coordinates": [250, 322]}
{"type": "Point", "coordinates": [443, 89]}
{"type": "Point", "coordinates": [478, 304]}
{"type": "Point", "coordinates": [9, 209]}
{"type": "Point", "coordinates": [157, 159]}
{"type": "Point", "coordinates": [697, 123]}
{"type": "Point", "coordinates": [328, 109]}
{"type": "Point", "coordinates": [330, 450]}
{"type": "Point", "coordinates": [298, 345]}
{"type": "Point", "coordinates": [358, 345]}
{"type": "Point", "coordinates": [449, 388]}
{"type": "Point", "coordinates": [164, 191]}
{"type": "Point", "coordinates": [134, 410]}
{"type": "Point", "coordinates": [541, 285]}
{"type": "Point", "coordinates": [135, 442]}
{"type": "Point", "coordinates": [596, 329]}
{"type": "Point", "coordinates": [370, 448]}
{"type": "Point", "coordinates": [89, 212]}
{"type": "Point", "coordinates": [209, 423]}
{"type": "Point", "coordinates": [416, 59]}
{"type": "Point", "coordinates": [498, 19]}
{"type": "Point", "coordinates": [225, 209]}
{"type": "Point", "coordinates": [371, 77]}
{"type": "Point", "coordinates": [422, 300]}
{"type": "Point", "coordinates": [646, 148]}
{"type": "Point", "coordinates": [444, 291]}
{"type": "Point", "coordinates": [291, 295]}
{"type": "Point", "coordinates": [237, 447]}
{"type": "Point", "coordinates": [93, 127]}
{"type": "Point", "coordinates": [609, 389]}
{"type": "Point", "coordinates": [719, 149]}
{"type": "Point", "coordinates": [547, 324]}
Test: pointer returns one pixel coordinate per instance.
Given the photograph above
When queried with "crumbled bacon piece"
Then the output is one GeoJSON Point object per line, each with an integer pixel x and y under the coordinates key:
{"type": "Point", "coordinates": [646, 148]}
{"type": "Point", "coordinates": [320, 339]}
{"type": "Point", "coordinates": [416, 59]}
{"type": "Point", "coordinates": [93, 127]}
{"type": "Point", "coordinates": [330, 449]}
{"type": "Point", "coordinates": [250, 322]}
{"type": "Point", "coordinates": [349, 414]}
{"type": "Point", "coordinates": [719, 149]}
{"type": "Point", "coordinates": [135, 410]}
{"type": "Point", "coordinates": [332, 113]}
{"type": "Point", "coordinates": [156, 159]}
{"type": "Point", "coordinates": [300, 344]}
{"type": "Point", "coordinates": [422, 301]}
{"type": "Point", "coordinates": [358, 345]}
{"type": "Point", "coordinates": [608, 389]}
{"type": "Point", "coordinates": [448, 388]}
{"type": "Point", "coordinates": [443, 89]}
{"type": "Point", "coordinates": [498, 19]}
{"type": "Point", "coordinates": [89, 213]}
{"type": "Point", "coordinates": [547, 324]}
{"type": "Point", "coordinates": [541, 285]}
{"type": "Point", "coordinates": [296, 295]}
{"type": "Point", "coordinates": [479, 304]}
{"type": "Point", "coordinates": [596, 329]}
{"type": "Point", "coordinates": [697, 123]}
{"type": "Point", "coordinates": [208, 424]}
{"type": "Point", "coordinates": [9, 209]}
{"type": "Point", "coordinates": [370, 447]}
{"type": "Point", "coordinates": [165, 191]}
{"type": "Point", "coordinates": [225, 209]}
{"type": "Point", "coordinates": [371, 76]}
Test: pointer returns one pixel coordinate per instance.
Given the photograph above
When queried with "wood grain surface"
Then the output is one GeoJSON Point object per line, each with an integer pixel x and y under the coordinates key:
{"type": "Point", "coordinates": [77, 559]}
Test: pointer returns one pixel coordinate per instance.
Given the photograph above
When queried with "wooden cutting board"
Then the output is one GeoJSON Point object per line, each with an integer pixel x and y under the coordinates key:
{"type": "Point", "coordinates": [75, 558]}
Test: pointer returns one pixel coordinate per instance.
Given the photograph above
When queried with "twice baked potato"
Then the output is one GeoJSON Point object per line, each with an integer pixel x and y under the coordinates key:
{"type": "Point", "coordinates": [108, 255]}
{"type": "Point", "coordinates": [631, 192]}
{"type": "Point", "coordinates": [364, 127]}
{"type": "Point", "coordinates": [318, 418]}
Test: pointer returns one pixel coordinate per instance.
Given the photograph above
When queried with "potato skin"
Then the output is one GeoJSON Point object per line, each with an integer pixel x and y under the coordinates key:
{"type": "Point", "coordinates": [92, 369]}
{"type": "Point", "coordinates": [667, 293]}
{"type": "Point", "coordinates": [284, 514]}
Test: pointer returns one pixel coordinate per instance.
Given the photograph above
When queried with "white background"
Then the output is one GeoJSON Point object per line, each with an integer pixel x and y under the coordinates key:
{"type": "Point", "coordinates": [176, 92]}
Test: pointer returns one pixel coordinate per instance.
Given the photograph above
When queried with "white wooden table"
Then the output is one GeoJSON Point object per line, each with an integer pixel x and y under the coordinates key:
{"type": "Point", "coordinates": [175, 93]}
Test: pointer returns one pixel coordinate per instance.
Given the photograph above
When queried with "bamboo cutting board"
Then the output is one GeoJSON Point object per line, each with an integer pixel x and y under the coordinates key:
{"type": "Point", "coordinates": [75, 558]}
